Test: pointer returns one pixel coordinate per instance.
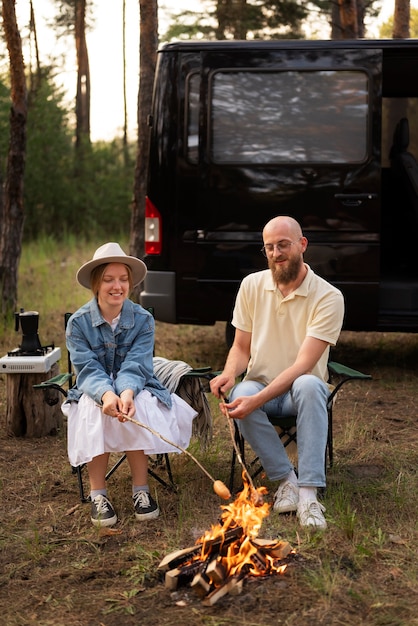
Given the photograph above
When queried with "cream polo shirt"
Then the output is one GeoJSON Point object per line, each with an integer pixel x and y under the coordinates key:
{"type": "Point", "coordinates": [279, 325]}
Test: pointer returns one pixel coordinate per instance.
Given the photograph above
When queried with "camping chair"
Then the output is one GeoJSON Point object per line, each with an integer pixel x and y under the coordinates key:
{"type": "Point", "coordinates": [62, 382]}
{"type": "Point", "coordinates": [286, 425]}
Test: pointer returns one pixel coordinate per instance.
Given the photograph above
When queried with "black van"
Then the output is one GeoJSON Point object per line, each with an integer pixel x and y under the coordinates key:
{"type": "Point", "coordinates": [324, 131]}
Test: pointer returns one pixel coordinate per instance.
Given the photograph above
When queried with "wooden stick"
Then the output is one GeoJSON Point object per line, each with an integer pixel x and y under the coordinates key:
{"type": "Point", "coordinates": [237, 451]}
{"type": "Point", "coordinates": [219, 487]}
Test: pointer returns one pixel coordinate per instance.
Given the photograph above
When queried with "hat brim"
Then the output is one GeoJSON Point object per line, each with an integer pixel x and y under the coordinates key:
{"type": "Point", "coordinates": [138, 268]}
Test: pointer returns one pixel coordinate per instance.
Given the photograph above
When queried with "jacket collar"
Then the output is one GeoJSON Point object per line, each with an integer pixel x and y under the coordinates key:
{"type": "Point", "coordinates": [126, 316]}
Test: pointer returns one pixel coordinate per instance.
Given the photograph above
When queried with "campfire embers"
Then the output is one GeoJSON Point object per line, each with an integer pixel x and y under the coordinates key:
{"type": "Point", "coordinates": [229, 553]}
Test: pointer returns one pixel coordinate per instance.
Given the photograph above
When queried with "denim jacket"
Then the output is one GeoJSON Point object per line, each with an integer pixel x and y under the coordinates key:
{"type": "Point", "coordinates": [107, 360]}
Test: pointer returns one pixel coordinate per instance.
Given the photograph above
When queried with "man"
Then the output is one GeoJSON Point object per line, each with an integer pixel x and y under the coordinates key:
{"type": "Point", "coordinates": [286, 318]}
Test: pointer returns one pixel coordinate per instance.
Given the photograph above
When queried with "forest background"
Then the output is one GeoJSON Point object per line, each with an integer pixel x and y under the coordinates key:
{"type": "Point", "coordinates": [55, 568]}
{"type": "Point", "coordinates": [55, 181]}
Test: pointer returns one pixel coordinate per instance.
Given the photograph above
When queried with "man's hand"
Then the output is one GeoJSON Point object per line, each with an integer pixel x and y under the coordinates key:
{"type": "Point", "coordinates": [220, 385]}
{"type": "Point", "coordinates": [240, 407]}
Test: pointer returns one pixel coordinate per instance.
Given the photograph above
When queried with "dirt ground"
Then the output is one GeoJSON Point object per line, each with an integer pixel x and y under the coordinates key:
{"type": "Point", "coordinates": [56, 569]}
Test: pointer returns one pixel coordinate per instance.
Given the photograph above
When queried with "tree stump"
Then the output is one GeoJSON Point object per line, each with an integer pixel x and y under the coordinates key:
{"type": "Point", "coordinates": [27, 414]}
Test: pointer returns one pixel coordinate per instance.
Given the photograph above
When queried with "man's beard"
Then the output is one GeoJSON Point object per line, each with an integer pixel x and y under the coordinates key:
{"type": "Point", "coordinates": [283, 275]}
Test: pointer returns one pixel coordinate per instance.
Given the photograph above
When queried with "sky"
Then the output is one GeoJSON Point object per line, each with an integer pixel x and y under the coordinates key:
{"type": "Point", "coordinates": [104, 44]}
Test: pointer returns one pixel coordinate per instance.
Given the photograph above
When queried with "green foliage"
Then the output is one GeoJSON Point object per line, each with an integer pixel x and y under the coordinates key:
{"type": "Point", "coordinates": [48, 159]}
{"type": "Point", "coordinates": [271, 19]}
{"type": "Point", "coordinates": [62, 194]}
{"type": "Point", "coordinates": [64, 19]}
{"type": "Point", "coordinates": [101, 192]}
{"type": "Point", "coordinates": [386, 28]}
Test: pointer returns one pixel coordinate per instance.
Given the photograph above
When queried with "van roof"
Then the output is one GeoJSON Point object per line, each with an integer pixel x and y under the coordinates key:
{"type": "Point", "coordinates": [284, 44]}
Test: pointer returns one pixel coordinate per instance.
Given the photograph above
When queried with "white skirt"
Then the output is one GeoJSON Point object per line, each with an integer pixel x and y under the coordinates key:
{"type": "Point", "coordinates": [90, 432]}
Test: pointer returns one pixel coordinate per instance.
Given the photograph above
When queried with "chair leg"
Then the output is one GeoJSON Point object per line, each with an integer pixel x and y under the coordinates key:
{"type": "Point", "coordinates": [79, 471]}
{"type": "Point", "coordinates": [290, 437]}
{"type": "Point", "coordinates": [330, 438]}
{"type": "Point", "coordinates": [170, 484]}
{"type": "Point", "coordinates": [115, 467]}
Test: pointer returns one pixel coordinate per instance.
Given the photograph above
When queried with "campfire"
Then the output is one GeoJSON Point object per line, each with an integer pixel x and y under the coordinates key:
{"type": "Point", "coordinates": [229, 552]}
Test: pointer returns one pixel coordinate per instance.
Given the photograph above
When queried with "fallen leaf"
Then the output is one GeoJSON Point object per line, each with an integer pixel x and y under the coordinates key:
{"type": "Point", "coordinates": [397, 539]}
{"type": "Point", "coordinates": [107, 532]}
{"type": "Point", "coordinates": [395, 572]}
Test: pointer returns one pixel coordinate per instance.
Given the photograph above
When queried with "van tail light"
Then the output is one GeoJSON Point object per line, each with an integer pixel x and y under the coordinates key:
{"type": "Point", "coordinates": [153, 229]}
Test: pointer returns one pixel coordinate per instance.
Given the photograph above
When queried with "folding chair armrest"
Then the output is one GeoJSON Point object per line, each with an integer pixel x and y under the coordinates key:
{"type": "Point", "coordinates": [199, 372]}
{"type": "Point", "coordinates": [59, 380]}
{"type": "Point", "coordinates": [56, 382]}
{"type": "Point", "coordinates": [342, 370]}
{"type": "Point", "coordinates": [337, 369]}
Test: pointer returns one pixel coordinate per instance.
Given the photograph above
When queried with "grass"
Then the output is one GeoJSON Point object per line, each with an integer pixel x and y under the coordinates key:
{"type": "Point", "coordinates": [55, 568]}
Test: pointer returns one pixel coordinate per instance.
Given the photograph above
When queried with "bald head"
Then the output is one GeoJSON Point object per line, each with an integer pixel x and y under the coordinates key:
{"type": "Point", "coordinates": [282, 227]}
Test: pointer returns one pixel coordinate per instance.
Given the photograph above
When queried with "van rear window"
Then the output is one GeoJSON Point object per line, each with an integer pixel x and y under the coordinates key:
{"type": "Point", "coordinates": [266, 117]}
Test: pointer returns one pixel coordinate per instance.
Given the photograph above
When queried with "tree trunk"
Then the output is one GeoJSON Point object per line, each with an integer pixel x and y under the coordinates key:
{"type": "Point", "coordinates": [401, 18]}
{"type": "Point", "coordinates": [126, 156]}
{"type": "Point", "coordinates": [348, 19]}
{"type": "Point", "coordinates": [231, 18]}
{"type": "Point", "coordinates": [35, 76]}
{"type": "Point", "coordinates": [147, 57]}
{"type": "Point", "coordinates": [12, 213]}
{"type": "Point", "coordinates": [27, 414]}
{"type": "Point", "coordinates": [83, 77]}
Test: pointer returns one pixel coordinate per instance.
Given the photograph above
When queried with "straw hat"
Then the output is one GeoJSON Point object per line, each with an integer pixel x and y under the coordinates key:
{"type": "Point", "coordinates": [111, 253]}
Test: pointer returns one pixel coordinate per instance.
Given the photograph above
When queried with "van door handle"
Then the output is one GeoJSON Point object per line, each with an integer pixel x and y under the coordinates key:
{"type": "Point", "coordinates": [354, 199]}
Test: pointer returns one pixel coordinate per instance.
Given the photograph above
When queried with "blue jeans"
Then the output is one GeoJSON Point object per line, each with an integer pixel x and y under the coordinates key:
{"type": "Point", "coordinates": [307, 399]}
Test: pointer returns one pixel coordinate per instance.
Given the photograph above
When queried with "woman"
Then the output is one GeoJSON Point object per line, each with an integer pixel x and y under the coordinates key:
{"type": "Point", "coordinates": [111, 340]}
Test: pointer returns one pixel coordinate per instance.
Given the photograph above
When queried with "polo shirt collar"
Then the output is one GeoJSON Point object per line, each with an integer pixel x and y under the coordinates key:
{"type": "Point", "coordinates": [302, 290]}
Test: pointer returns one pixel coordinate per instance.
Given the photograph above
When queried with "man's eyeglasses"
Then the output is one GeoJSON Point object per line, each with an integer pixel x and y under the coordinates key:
{"type": "Point", "coordinates": [282, 246]}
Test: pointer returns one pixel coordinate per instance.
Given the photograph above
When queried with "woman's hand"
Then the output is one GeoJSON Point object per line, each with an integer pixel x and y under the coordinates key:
{"type": "Point", "coordinates": [112, 405]}
{"type": "Point", "coordinates": [127, 399]}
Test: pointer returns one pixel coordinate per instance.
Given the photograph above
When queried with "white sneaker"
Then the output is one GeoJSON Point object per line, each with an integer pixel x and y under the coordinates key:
{"type": "Point", "coordinates": [310, 514]}
{"type": "Point", "coordinates": [286, 498]}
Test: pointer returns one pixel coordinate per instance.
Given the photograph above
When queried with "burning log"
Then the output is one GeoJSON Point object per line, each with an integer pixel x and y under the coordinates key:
{"type": "Point", "coordinates": [179, 557]}
{"type": "Point", "coordinates": [277, 550]}
{"type": "Point", "coordinates": [215, 571]}
{"type": "Point", "coordinates": [224, 557]}
{"type": "Point", "coordinates": [181, 576]}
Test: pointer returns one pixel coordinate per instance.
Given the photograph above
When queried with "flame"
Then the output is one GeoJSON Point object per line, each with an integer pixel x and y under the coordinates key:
{"type": "Point", "coordinates": [247, 511]}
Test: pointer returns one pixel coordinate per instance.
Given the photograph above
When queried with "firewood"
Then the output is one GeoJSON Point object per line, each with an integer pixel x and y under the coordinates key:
{"type": "Point", "coordinates": [231, 584]}
{"type": "Point", "coordinates": [201, 585]}
{"type": "Point", "coordinates": [174, 559]}
{"type": "Point", "coordinates": [260, 561]}
{"type": "Point", "coordinates": [172, 579]}
{"type": "Point", "coordinates": [181, 576]}
{"type": "Point", "coordinates": [275, 549]}
{"type": "Point", "coordinates": [237, 588]}
{"type": "Point", "coordinates": [215, 572]}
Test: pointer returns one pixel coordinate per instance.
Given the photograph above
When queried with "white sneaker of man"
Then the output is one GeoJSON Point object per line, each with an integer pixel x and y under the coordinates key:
{"type": "Point", "coordinates": [310, 514]}
{"type": "Point", "coordinates": [286, 497]}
